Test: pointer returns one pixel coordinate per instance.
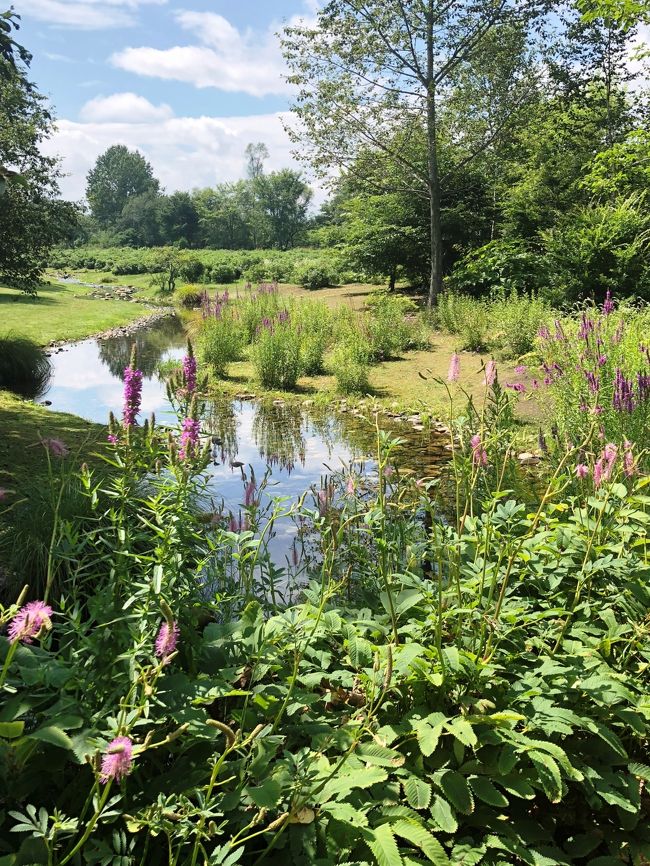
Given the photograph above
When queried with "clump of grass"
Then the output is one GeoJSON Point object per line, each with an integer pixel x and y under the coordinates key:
{"type": "Point", "coordinates": [220, 341]}
{"type": "Point", "coordinates": [276, 353]}
{"type": "Point", "coordinates": [24, 366]}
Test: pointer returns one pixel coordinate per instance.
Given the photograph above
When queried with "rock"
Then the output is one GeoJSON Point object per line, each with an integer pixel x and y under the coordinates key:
{"type": "Point", "coordinates": [418, 428]}
{"type": "Point", "coordinates": [279, 402]}
{"type": "Point", "coordinates": [46, 402]}
{"type": "Point", "coordinates": [528, 459]}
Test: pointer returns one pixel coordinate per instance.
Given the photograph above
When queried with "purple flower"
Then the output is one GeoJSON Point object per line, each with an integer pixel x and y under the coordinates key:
{"type": "Point", "coordinates": [643, 387]}
{"type": "Point", "coordinates": [57, 447]}
{"type": "Point", "coordinates": [454, 368]}
{"type": "Point", "coordinates": [519, 387]}
{"type": "Point", "coordinates": [490, 372]}
{"type": "Point", "coordinates": [322, 502]}
{"type": "Point", "coordinates": [582, 470]}
{"type": "Point", "coordinates": [618, 334]}
{"type": "Point", "coordinates": [189, 371]}
{"type": "Point", "coordinates": [166, 640]}
{"type": "Point", "coordinates": [249, 493]}
{"type": "Point", "coordinates": [623, 399]}
{"type": "Point", "coordinates": [479, 454]}
{"type": "Point", "coordinates": [112, 438]}
{"type": "Point", "coordinates": [132, 395]}
{"type": "Point", "coordinates": [189, 438]}
{"type": "Point", "coordinates": [593, 382]}
{"type": "Point", "coordinates": [30, 621]}
{"type": "Point", "coordinates": [560, 336]}
{"type": "Point", "coordinates": [349, 487]}
{"type": "Point", "coordinates": [608, 305]}
{"type": "Point", "coordinates": [118, 760]}
{"type": "Point", "coordinates": [544, 333]}
{"type": "Point", "coordinates": [520, 369]}
{"type": "Point", "coordinates": [605, 464]}
{"type": "Point", "coordinates": [234, 525]}
{"type": "Point", "coordinates": [586, 327]}
{"type": "Point", "coordinates": [283, 317]}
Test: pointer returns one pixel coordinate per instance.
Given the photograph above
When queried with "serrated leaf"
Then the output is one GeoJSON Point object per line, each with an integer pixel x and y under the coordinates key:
{"type": "Point", "coordinates": [549, 775]}
{"type": "Point", "coordinates": [443, 815]}
{"type": "Point", "coordinates": [462, 731]}
{"type": "Point", "coordinates": [417, 792]}
{"type": "Point", "coordinates": [362, 778]}
{"type": "Point", "coordinates": [265, 795]}
{"type": "Point", "coordinates": [428, 737]}
{"type": "Point", "coordinates": [381, 842]}
{"type": "Point", "coordinates": [380, 756]}
{"type": "Point", "coordinates": [346, 813]}
{"type": "Point", "coordinates": [417, 835]}
{"type": "Point", "coordinates": [53, 735]}
{"type": "Point", "coordinates": [485, 790]}
{"type": "Point", "coordinates": [457, 791]}
{"type": "Point", "coordinates": [640, 770]}
{"type": "Point", "coordinates": [360, 652]}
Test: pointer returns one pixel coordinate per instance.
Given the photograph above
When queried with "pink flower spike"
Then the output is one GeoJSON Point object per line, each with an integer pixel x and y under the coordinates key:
{"type": "Point", "coordinates": [117, 761]}
{"type": "Point", "coordinates": [30, 621]}
{"type": "Point", "coordinates": [349, 488]}
{"type": "Point", "coordinates": [582, 470]}
{"type": "Point", "coordinates": [490, 372]}
{"type": "Point", "coordinates": [454, 368]}
{"type": "Point", "coordinates": [479, 454]}
{"type": "Point", "coordinates": [629, 463]}
{"type": "Point", "coordinates": [57, 447]}
{"type": "Point", "coordinates": [166, 640]}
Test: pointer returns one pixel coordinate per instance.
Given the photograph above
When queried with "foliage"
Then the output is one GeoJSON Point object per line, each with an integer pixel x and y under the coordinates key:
{"type": "Point", "coordinates": [220, 340]}
{"type": "Point", "coordinates": [275, 353]}
{"type": "Point", "coordinates": [32, 218]}
{"type": "Point", "coordinates": [315, 323]}
{"type": "Point", "coordinates": [189, 296]}
{"type": "Point", "coordinates": [349, 362]}
{"type": "Point", "coordinates": [391, 325]}
{"type": "Point", "coordinates": [469, 689]}
{"type": "Point", "coordinates": [315, 274]}
{"type": "Point", "coordinates": [596, 370]}
{"type": "Point", "coordinates": [505, 265]}
{"type": "Point", "coordinates": [119, 174]}
{"type": "Point", "coordinates": [24, 366]}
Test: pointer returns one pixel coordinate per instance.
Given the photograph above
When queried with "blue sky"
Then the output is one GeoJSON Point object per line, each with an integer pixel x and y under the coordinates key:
{"type": "Point", "coordinates": [187, 83]}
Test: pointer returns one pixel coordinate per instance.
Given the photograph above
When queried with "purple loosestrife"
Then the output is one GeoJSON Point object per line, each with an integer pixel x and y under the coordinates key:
{"type": "Point", "coordinates": [605, 464]}
{"type": "Point", "coordinates": [166, 640]}
{"type": "Point", "coordinates": [643, 387]}
{"type": "Point", "coordinates": [593, 381]}
{"type": "Point", "coordinates": [490, 372]}
{"type": "Point", "coordinates": [519, 387]}
{"type": "Point", "coordinates": [582, 471]}
{"type": "Point", "coordinates": [623, 399]}
{"type": "Point", "coordinates": [117, 761]}
{"type": "Point", "coordinates": [56, 447]}
{"type": "Point", "coordinates": [544, 333]}
{"type": "Point", "coordinates": [629, 463]}
{"type": "Point", "coordinates": [560, 336]}
{"type": "Point", "coordinates": [249, 493]}
{"type": "Point", "coordinates": [608, 304]}
{"type": "Point", "coordinates": [30, 621]}
{"type": "Point", "coordinates": [189, 371]}
{"type": "Point", "coordinates": [189, 438]}
{"type": "Point", "coordinates": [454, 368]}
{"type": "Point", "coordinates": [586, 327]}
{"type": "Point", "coordinates": [479, 454]}
{"type": "Point", "coordinates": [132, 394]}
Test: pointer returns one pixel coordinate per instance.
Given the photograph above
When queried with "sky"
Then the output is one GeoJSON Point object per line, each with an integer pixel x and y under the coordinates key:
{"type": "Point", "coordinates": [189, 83]}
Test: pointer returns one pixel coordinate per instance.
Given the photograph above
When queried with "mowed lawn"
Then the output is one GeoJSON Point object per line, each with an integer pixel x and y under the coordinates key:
{"type": "Point", "coordinates": [61, 312]}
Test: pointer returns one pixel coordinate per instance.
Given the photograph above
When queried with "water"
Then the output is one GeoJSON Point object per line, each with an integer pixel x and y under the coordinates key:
{"type": "Point", "coordinates": [297, 444]}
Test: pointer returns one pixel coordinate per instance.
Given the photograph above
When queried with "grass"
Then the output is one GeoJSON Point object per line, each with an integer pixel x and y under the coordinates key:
{"type": "Point", "coordinates": [61, 312]}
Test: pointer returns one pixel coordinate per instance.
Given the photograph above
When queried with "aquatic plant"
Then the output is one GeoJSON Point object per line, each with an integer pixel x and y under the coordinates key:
{"type": "Point", "coordinates": [24, 366]}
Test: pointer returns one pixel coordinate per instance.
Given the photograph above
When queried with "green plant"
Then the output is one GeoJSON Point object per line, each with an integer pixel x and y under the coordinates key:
{"type": "Point", "coordinates": [275, 353]}
{"type": "Point", "coordinates": [514, 322]}
{"type": "Point", "coordinates": [467, 317]}
{"type": "Point", "coordinates": [314, 274]}
{"type": "Point", "coordinates": [314, 320]}
{"type": "Point", "coordinates": [391, 325]}
{"type": "Point", "coordinates": [188, 296]}
{"type": "Point", "coordinates": [349, 362]}
{"type": "Point", "coordinates": [220, 341]}
{"type": "Point", "coordinates": [24, 366]}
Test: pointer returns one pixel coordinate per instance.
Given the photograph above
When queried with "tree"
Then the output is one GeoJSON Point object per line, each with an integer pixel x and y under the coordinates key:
{"type": "Point", "coordinates": [140, 220]}
{"type": "Point", "coordinates": [118, 175]}
{"type": "Point", "coordinates": [32, 217]}
{"type": "Point", "coordinates": [371, 66]}
{"type": "Point", "coordinates": [255, 156]}
{"type": "Point", "coordinates": [179, 219]}
{"type": "Point", "coordinates": [284, 197]}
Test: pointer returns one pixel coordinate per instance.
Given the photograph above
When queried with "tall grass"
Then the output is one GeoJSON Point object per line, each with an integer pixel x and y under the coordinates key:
{"type": "Point", "coordinates": [24, 366]}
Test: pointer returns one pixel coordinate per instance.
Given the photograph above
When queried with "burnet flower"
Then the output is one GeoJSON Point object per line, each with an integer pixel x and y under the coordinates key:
{"type": "Point", "coordinates": [117, 761]}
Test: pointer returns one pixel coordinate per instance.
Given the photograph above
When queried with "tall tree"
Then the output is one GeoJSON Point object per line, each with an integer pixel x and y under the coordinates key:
{"type": "Point", "coordinates": [32, 217]}
{"type": "Point", "coordinates": [284, 197]}
{"type": "Point", "coordinates": [118, 175]}
{"type": "Point", "coordinates": [256, 153]}
{"type": "Point", "coordinates": [370, 66]}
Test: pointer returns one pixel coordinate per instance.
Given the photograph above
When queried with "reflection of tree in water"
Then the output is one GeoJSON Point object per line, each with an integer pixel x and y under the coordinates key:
{"type": "Point", "coordinates": [151, 344]}
{"type": "Point", "coordinates": [277, 430]}
{"type": "Point", "coordinates": [220, 422]}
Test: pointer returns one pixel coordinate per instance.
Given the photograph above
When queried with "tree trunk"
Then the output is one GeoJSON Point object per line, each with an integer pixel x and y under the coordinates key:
{"type": "Point", "coordinates": [391, 280]}
{"type": "Point", "coordinates": [435, 280]}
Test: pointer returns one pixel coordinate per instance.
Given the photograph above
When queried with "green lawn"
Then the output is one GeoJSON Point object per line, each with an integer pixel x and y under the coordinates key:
{"type": "Point", "coordinates": [62, 312]}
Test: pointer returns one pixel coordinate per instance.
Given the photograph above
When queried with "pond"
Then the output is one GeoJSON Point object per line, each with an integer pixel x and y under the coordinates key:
{"type": "Point", "coordinates": [296, 444]}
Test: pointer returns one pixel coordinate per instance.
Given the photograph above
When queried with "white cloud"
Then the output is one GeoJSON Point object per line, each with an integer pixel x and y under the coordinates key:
{"type": "Point", "coordinates": [123, 107]}
{"type": "Point", "coordinates": [185, 152]}
{"type": "Point", "coordinates": [84, 14]}
{"type": "Point", "coordinates": [229, 60]}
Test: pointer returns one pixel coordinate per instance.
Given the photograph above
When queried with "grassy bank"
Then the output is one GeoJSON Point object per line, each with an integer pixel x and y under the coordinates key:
{"type": "Point", "coordinates": [62, 312]}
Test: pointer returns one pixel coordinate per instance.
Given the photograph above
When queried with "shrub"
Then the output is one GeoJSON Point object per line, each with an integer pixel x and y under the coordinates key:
{"type": "Point", "coordinates": [314, 323]}
{"type": "Point", "coordinates": [502, 265]}
{"type": "Point", "coordinates": [275, 353]}
{"type": "Point", "coordinates": [188, 296]}
{"type": "Point", "coordinates": [514, 322]}
{"type": "Point", "coordinates": [314, 274]}
{"type": "Point", "coordinates": [392, 326]}
{"type": "Point", "coordinates": [220, 341]}
{"type": "Point", "coordinates": [191, 268]}
{"type": "Point", "coordinates": [222, 272]}
{"type": "Point", "coordinates": [24, 366]}
{"type": "Point", "coordinates": [349, 362]}
{"type": "Point", "coordinates": [256, 306]}
{"type": "Point", "coordinates": [466, 317]}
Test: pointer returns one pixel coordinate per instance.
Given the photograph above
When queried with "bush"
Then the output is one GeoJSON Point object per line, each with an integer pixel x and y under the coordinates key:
{"type": "Point", "coordinates": [256, 306]}
{"type": "Point", "coordinates": [314, 274]}
{"type": "Point", "coordinates": [24, 366]}
{"type": "Point", "coordinates": [222, 272]}
{"type": "Point", "coordinates": [275, 354]}
{"type": "Point", "coordinates": [466, 317]}
{"type": "Point", "coordinates": [514, 323]}
{"type": "Point", "coordinates": [502, 265]}
{"type": "Point", "coordinates": [191, 268]}
{"type": "Point", "coordinates": [392, 325]}
{"type": "Point", "coordinates": [314, 323]}
{"type": "Point", "coordinates": [188, 296]}
{"type": "Point", "coordinates": [349, 363]}
{"type": "Point", "coordinates": [220, 341]}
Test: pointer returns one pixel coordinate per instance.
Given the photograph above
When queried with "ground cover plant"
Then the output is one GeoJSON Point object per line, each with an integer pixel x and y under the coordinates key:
{"type": "Point", "coordinates": [466, 688]}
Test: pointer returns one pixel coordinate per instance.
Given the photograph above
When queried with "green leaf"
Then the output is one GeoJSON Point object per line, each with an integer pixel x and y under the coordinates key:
{"type": "Point", "coordinates": [417, 792]}
{"type": "Point", "coordinates": [463, 731]}
{"type": "Point", "coordinates": [360, 652]}
{"type": "Point", "coordinates": [458, 791]}
{"type": "Point", "coordinates": [381, 842]}
{"type": "Point", "coordinates": [640, 770]}
{"type": "Point", "coordinates": [11, 730]}
{"type": "Point", "coordinates": [343, 784]}
{"type": "Point", "coordinates": [346, 814]}
{"type": "Point", "coordinates": [485, 790]}
{"type": "Point", "coordinates": [417, 835]}
{"type": "Point", "coordinates": [381, 756]}
{"type": "Point", "coordinates": [428, 736]}
{"type": "Point", "coordinates": [444, 815]}
{"type": "Point", "coordinates": [266, 795]}
{"type": "Point", "coordinates": [53, 735]}
{"type": "Point", "coordinates": [549, 775]}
